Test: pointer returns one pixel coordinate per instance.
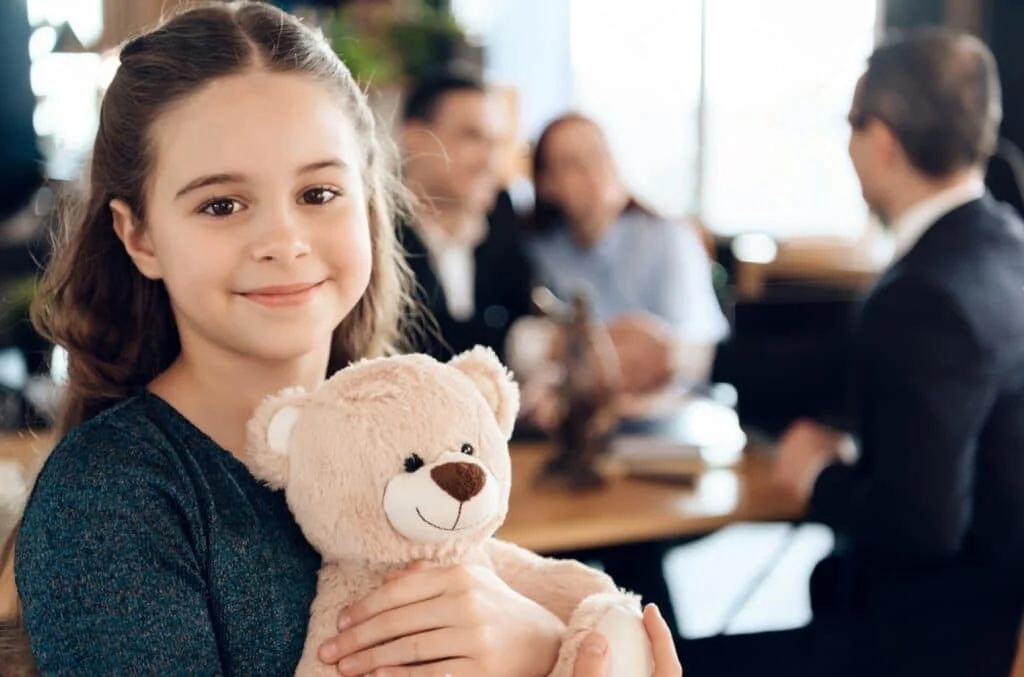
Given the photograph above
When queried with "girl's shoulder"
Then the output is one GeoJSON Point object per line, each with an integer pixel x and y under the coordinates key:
{"type": "Point", "coordinates": [127, 452]}
{"type": "Point", "coordinates": [119, 437]}
{"type": "Point", "coordinates": [122, 478]}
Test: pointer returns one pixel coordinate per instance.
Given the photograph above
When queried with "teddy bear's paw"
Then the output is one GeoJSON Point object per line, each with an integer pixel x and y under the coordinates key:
{"type": "Point", "coordinates": [630, 648]}
{"type": "Point", "coordinates": [619, 618]}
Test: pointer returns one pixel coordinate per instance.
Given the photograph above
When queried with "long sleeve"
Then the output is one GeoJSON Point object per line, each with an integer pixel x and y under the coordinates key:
{"type": "Point", "coordinates": [927, 385]}
{"type": "Point", "coordinates": [686, 295]}
{"type": "Point", "coordinates": [108, 566]}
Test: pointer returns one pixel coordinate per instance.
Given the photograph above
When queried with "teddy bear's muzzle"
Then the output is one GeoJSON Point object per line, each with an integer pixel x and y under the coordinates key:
{"type": "Point", "coordinates": [461, 481]}
{"type": "Point", "coordinates": [453, 497]}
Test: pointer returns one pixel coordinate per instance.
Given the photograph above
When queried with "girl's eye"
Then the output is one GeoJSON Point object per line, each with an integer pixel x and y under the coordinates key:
{"type": "Point", "coordinates": [319, 196]}
{"type": "Point", "coordinates": [221, 207]}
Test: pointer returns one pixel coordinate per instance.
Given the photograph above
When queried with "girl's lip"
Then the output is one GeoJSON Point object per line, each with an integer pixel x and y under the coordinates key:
{"type": "Point", "coordinates": [284, 295]}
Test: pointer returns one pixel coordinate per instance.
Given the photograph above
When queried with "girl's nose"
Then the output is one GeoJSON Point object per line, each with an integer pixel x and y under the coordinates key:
{"type": "Point", "coordinates": [282, 240]}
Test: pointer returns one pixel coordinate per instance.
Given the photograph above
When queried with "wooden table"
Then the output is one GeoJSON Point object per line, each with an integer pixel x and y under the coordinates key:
{"type": "Point", "coordinates": [625, 511]}
{"type": "Point", "coordinates": [28, 448]}
{"type": "Point", "coordinates": [630, 510]}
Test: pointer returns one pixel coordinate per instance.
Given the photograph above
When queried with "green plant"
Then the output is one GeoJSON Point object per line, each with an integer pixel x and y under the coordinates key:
{"type": "Point", "coordinates": [16, 300]}
{"type": "Point", "coordinates": [406, 47]}
{"type": "Point", "coordinates": [16, 326]}
{"type": "Point", "coordinates": [424, 43]}
{"type": "Point", "coordinates": [369, 56]}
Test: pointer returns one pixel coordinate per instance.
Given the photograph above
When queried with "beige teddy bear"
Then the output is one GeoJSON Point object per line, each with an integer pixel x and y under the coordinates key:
{"type": "Point", "coordinates": [405, 458]}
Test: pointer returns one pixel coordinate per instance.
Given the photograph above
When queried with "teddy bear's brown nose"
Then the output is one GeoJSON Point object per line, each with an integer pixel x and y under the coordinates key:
{"type": "Point", "coordinates": [461, 481]}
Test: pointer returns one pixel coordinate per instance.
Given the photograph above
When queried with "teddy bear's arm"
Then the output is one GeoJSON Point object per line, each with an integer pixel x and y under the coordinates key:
{"type": "Point", "coordinates": [558, 585]}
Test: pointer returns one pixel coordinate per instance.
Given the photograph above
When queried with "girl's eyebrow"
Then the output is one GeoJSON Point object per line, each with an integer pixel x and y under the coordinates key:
{"type": "Point", "coordinates": [323, 164]}
{"type": "Point", "coordinates": [209, 180]}
{"type": "Point", "coordinates": [222, 178]}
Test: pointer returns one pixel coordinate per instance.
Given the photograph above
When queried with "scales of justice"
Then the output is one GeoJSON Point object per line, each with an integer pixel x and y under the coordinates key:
{"type": "Point", "coordinates": [590, 384]}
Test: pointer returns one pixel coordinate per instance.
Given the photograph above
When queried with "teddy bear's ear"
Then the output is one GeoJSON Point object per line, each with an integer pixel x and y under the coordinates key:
{"type": "Point", "coordinates": [269, 433]}
{"type": "Point", "coordinates": [494, 381]}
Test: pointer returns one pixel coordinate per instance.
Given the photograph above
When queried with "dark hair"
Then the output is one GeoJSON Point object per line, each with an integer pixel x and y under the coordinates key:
{"type": "Point", "coordinates": [115, 324]}
{"type": "Point", "coordinates": [939, 93]}
{"type": "Point", "coordinates": [547, 214]}
{"type": "Point", "coordinates": [424, 96]}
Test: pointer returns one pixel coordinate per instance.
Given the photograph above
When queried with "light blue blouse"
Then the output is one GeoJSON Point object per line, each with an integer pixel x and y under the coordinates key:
{"type": "Point", "coordinates": [642, 263]}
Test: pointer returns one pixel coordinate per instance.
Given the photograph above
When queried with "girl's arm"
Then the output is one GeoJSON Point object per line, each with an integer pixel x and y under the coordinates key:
{"type": "Point", "coordinates": [108, 565]}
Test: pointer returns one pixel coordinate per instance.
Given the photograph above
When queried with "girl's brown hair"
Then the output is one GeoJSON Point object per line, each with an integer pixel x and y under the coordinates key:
{"type": "Point", "coordinates": [115, 324]}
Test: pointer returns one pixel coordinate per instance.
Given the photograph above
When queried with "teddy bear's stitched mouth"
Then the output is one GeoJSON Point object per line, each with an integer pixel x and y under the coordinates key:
{"type": "Point", "coordinates": [457, 518]}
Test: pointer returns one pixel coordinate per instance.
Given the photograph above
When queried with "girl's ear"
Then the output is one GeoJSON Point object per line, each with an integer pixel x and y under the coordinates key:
{"type": "Point", "coordinates": [135, 239]}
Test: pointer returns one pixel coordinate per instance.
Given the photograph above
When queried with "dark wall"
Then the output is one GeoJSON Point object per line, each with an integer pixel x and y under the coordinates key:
{"type": "Point", "coordinates": [20, 158]}
{"type": "Point", "coordinates": [1004, 27]}
{"type": "Point", "coordinates": [1004, 24]}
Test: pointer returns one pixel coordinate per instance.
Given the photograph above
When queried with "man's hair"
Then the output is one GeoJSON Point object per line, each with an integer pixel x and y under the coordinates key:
{"type": "Point", "coordinates": [939, 93]}
{"type": "Point", "coordinates": [425, 95]}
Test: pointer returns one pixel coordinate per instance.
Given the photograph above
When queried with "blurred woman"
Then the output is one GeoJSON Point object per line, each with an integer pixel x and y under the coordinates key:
{"type": "Point", "coordinates": [647, 278]}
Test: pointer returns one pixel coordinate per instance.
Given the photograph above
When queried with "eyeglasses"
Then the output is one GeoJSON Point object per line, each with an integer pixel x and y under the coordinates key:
{"type": "Point", "coordinates": [859, 119]}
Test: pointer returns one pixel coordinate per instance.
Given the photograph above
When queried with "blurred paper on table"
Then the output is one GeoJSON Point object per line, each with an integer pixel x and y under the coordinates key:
{"type": "Point", "coordinates": [700, 433]}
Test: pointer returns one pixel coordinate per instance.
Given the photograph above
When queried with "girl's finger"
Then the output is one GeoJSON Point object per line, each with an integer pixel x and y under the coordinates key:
{"type": "Point", "coordinates": [592, 659]}
{"type": "Point", "coordinates": [460, 667]}
{"type": "Point", "coordinates": [388, 626]}
{"type": "Point", "coordinates": [663, 646]}
{"type": "Point", "coordinates": [414, 586]}
{"type": "Point", "coordinates": [424, 647]}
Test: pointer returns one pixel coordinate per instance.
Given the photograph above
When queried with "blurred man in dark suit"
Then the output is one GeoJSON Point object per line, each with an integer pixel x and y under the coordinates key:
{"type": "Point", "coordinates": [927, 577]}
{"type": "Point", "coordinates": [471, 273]}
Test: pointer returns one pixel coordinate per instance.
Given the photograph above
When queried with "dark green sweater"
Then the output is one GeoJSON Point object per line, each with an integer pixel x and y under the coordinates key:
{"type": "Point", "coordinates": [146, 548]}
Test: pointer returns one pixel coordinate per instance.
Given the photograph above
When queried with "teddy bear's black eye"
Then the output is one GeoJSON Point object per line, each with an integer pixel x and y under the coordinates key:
{"type": "Point", "coordinates": [467, 449]}
{"type": "Point", "coordinates": [413, 463]}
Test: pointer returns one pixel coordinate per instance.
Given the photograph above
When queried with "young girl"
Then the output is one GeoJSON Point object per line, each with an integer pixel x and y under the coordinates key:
{"type": "Point", "coordinates": [237, 239]}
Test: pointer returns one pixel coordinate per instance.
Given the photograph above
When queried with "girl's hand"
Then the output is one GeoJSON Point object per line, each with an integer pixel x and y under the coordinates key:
{"type": "Point", "coordinates": [457, 621]}
{"type": "Point", "coordinates": [592, 660]}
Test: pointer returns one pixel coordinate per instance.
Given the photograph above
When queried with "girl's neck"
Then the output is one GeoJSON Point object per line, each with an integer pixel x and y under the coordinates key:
{"type": "Point", "coordinates": [219, 393]}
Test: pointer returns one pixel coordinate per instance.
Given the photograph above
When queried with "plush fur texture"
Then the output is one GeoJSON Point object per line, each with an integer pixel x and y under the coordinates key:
{"type": "Point", "coordinates": [405, 458]}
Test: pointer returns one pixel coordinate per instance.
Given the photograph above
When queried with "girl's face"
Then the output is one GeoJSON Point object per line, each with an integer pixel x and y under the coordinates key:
{"type": "Point", "coordinates": [579, 175]}
{"type": "Point", "coordinates": [256, 217]}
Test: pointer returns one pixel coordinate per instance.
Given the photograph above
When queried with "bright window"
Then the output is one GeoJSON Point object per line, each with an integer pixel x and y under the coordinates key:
{"type": "Point", "coordinates": [637, 72]}
{"type": "Point", "coordinates": [731, 109]}
{"type": "Point", "coordinates": [778, 85]}
{"type": "Point", "coordinates": [66, 80]}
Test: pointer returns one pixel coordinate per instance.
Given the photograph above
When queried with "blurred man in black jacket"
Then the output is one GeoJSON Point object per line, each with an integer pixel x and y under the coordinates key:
{"type": "Point", "coordinates": [928, 573]}
{"type": "Point", "coordinates": [462, 245]}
